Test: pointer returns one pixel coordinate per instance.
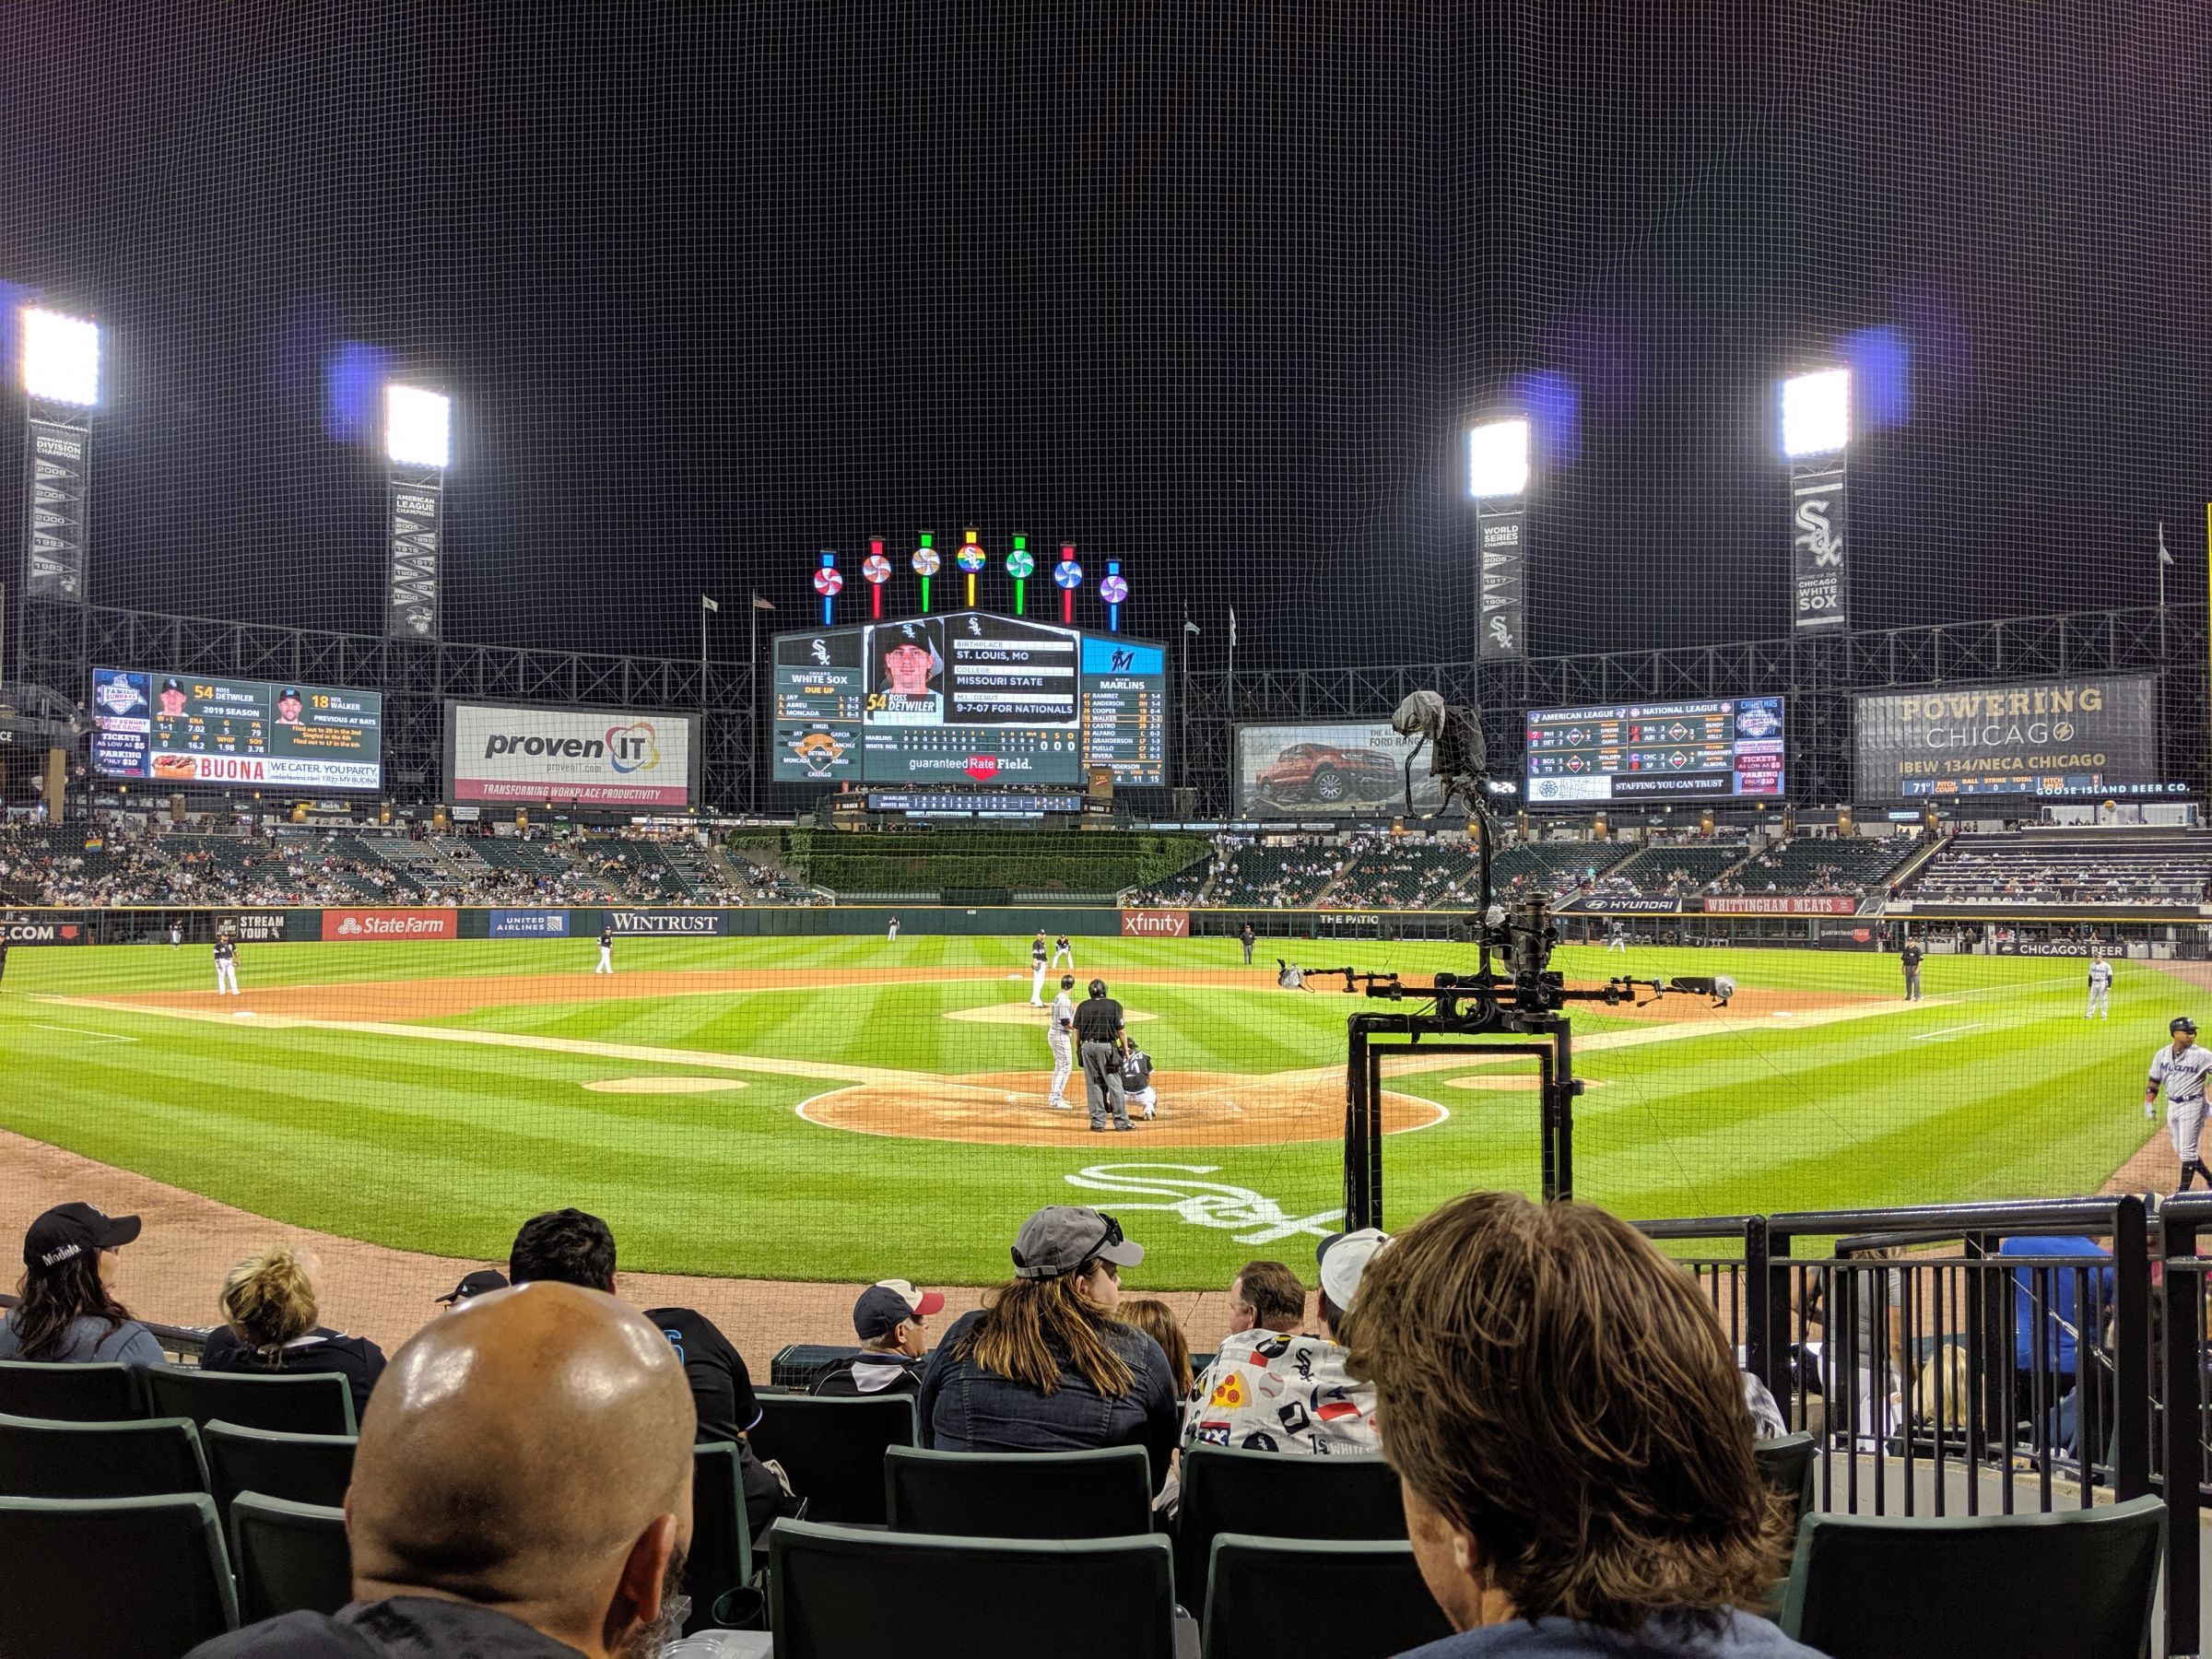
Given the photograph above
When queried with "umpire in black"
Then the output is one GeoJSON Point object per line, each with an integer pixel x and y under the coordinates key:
{"type": "Point", "coordinates": [1099, 1030]}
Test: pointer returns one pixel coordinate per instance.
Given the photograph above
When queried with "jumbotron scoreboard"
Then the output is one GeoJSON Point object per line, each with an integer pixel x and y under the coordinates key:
{"type": "Point", "coordinates": [215, 731]}
{"type": "Point", "coordinates": [1728, 746]}
{"type": "Point", "coordinates": [968, 697]}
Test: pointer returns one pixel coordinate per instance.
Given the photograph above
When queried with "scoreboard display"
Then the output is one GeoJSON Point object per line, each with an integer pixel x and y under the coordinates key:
{"type": "Point", "coordinates": [1728, 748]}
{"type": "Point", "coordinates": [968, 697]}
{"type": "Point", "coordinates": [219, 733]}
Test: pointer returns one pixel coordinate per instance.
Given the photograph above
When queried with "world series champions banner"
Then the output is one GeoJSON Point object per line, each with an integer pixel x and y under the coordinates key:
{"type": "Point", "coordinates": [418, 510]}
{"type": "Point", "coordinates": [59, 468]}
{"type": "Point", "coordinates": [1819, 575]}
{"type": "Point", "coordinates": [1502, 632]}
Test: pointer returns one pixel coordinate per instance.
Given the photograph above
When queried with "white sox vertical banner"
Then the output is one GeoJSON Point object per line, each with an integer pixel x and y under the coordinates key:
{"type": "Point", "coordinates": [1820, 571]}
{"type": "Point", "coordinates": [1502, 631]}
{"type": "Point", "coordinates": [58, 478]}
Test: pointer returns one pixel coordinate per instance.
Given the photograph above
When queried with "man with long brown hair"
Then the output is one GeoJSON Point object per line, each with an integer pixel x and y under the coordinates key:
{"type": "Point", "coordinates": [1568, 1427]}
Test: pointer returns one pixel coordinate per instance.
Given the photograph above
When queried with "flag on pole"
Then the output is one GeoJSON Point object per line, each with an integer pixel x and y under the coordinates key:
{"type": "Point", "coordinates": [707, 604]}
{"type": "Point", "coordinates": [2164, 557]}
{"type": "Point", "coordinates": [1189, 626]}
{"type": "Point", "coordinates": [1232, 627]}
{"type": "Point", "coordinates": [761, 604]}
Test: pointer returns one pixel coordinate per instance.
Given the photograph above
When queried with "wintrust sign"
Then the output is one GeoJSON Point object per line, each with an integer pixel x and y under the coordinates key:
{"type": "Point", "coordinates": [666, 922]}
{"type": "Point", "coordinates": [580, 755]}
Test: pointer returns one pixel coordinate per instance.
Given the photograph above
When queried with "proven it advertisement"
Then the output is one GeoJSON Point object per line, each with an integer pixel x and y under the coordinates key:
{"type": "Point", "coordinates": [580, 756]}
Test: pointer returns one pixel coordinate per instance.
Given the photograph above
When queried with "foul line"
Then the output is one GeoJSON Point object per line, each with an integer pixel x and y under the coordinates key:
{"type": "Point", "coordinates": [85, 1032]}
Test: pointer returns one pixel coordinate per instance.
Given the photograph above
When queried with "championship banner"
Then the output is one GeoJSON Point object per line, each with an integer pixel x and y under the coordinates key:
{"type": "Point", "coordinates": [1793, 904]}
{"type": "Point", "coordinates": [59, 467]}
{"type": "Point", "coordinates": [680, 923]}
{"type": "Point", "coordinates": [1819, 575]}
{"type": "Point", "coordinates": [1501, 634]}
{"type": "Point", "coordinates": [417, 511]}
{"type": "Point", "coordinates": [1155, 924]}
{"type": "Point", "coordinates": [2093, 737]}
{"type": "Point", "coordinates": [353, 925]}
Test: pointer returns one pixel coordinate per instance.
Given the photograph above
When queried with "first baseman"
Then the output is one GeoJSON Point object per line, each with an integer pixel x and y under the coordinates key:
{"type": "Point", "coordinates": [226, 967]}
{"type": "Point", "coordinates": [1060, 947]}
{"type": "Point", "coordinates": [2100, 990]}
{"type": "Point", "coordinates": [2181, 1067]}
{"type": "Point", "coordinates": [607, 949]}
{"type": "Point", "coordinates": [1060, 1035]}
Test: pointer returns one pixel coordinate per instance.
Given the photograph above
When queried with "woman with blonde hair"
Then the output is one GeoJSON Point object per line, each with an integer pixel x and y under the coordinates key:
{"type": "Point", "coordinates": [269, 1327]}
{"type": "Point", "coordinates": [1158, 1321]}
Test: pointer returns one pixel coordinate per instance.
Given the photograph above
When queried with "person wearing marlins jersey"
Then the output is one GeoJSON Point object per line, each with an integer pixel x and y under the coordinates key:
{"type": "Point", "coordinates": [2181, 1067]}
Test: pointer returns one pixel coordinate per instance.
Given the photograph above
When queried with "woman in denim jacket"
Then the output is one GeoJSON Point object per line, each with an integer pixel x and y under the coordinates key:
{"type": "Point", "coordinates": [1044, 1365]}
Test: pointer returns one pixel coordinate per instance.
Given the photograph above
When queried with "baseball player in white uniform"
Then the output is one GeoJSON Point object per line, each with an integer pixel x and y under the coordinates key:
{"type": "Point", "coordinates": [226, 972]}
{"type": "Point", "coordinates": [2100, 990]}
{"type": "Point", "coordinates": [2181, 1067]}
{"type": "Point", "coordinates": [1062, 948]}
{"type": "Point", "coordinates": [607, 949]}
{"type": "Point", "coordinates": [1617, 939]}
{"type": "Point", "coordinates": [1037, 970]}
{"type": "Point", "coordinates": [1060, 1034]}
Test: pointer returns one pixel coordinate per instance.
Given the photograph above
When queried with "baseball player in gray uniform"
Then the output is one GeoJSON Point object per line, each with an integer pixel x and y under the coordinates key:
{"type": "Point", "coordinates": [1060, 1033]}
{"type": "Point", "coordinates": [2100, 989]}
{"type": "Point", "coordinates": [2181, 1067]}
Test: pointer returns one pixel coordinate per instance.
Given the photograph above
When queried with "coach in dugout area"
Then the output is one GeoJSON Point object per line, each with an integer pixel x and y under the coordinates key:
{"type": "Point", "coordinates": [1098, 1038]}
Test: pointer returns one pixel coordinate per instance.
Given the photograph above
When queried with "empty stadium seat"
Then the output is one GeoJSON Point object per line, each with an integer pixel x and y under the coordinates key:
{"type": "Point", "coordinates": [1785, 1464]}
{"type": "Point", "coordinates": [145, 1457]}
{"type": "Point", "coordinates": [1092, 1598]}
{"type": "Point", "coordinates": [1104, 1494]}
{"type": "Point", "coordinates": [141, 1578]}
{"type": "Point", "coordinates": [311, 1403]}
{"type": "Point", "coordinates": [832, 1450]}
{"type": "Point", "coordinates": [290, 1557]}
{"type": "Point", "coordinates": [2073, 1581]}
{"type": "Point", "coordinates": [1354, 1599]}
{"type": "Point", "coordinates": [305, 1468]}
{"type": "Point", "coordinates": [720, 1559]}
{"type": "Point", "coordinates": [1275, 1495]}
{"type": "Point", "coordinates": [83, 1394]}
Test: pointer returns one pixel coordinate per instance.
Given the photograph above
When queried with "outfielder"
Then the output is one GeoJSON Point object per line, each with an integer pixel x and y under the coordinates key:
{"type": "Point", "coordinates": [607, 949]}
{"type": "Point", "coordinates": [1060, 1036]}
{"type": "Point", "coordinates": [2181, 1067]}
{"type": "Point", "coordinates": [226, 969]}
{"type": "Point", "coordinates": [1060, 947]}
{"type": "Point", "coordinates": [1037, 970]}
{"type": "Point", "coordinates": [2100, 989]}
{"type": "Point", "coordinates": [891, 932]}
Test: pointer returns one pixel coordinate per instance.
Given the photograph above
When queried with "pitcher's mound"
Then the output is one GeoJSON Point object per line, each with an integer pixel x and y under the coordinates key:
{"type": "Point", "coordinates": [1020, 1013]}
{"type": "Point", "coordinates": [1196, 1109]}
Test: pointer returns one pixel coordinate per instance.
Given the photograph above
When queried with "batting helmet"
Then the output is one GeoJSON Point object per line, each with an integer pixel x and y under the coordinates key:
{"type": "Point", "coordinates": [2182, 1022]}
{"type": "Point", "coordinates": [1067, 982]}
{"type": "Point", "coordinates": [1098, 987]}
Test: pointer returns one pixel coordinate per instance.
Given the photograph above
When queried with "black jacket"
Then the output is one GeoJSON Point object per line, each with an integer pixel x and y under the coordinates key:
{"type": "Point", "coordinates": [406, 1627]}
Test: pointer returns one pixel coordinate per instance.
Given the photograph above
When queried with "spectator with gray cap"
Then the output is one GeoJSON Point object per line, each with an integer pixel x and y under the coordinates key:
{"type": "Point", "coordinates": [1044, 1365]}
{"type": "Point", "coordinates": [67, 1313]}
{"type": "Point", "coordinates": [890, 1319]}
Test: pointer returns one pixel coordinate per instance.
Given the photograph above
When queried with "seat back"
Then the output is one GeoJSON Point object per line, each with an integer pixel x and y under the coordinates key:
{"type": "Point", "coordinates": [305, 1468]}
{"type": "Point", "coordinates": [1353, 1599]}
{"type": "Point", "coordinates": [2074, 1581]}
{"type": "Point", "coordinates": [1785, 1464]}
{"type": "Point", "coordinates": [1105, 1494]}
{"type": "Point", "coordinates": [161, 1576]}
{"type": "Point", "coordinates": [290, 1557]}
{"type": "Point", "coordinates": [1278, 1495]}
{"type": "Point", "coordinates": [144, 1458]}
{"type": "Point", "coordinates": [722, 1548]}
{"type": "Point", "coordinates": [1093, 1599]}
{"type": "Point", "coordinates": [310, 1403]}
{"type": "Point", "coordinates": [76, 1394]}
{"type": "Point", "coordinates": [832, 1449]}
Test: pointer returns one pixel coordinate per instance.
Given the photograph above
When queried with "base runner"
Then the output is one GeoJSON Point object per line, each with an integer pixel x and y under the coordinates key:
{"type": "Point", "coordinates": [1060, 1036]}
{"type": "Point", "coordinates": [2181, 1067]}
{"type": "Point", "coordinates": [226, 969]}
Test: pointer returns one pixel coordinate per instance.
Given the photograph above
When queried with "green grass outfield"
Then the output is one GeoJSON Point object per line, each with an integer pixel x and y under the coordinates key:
{"type": "Point", "coordinates": [1994, 1088]}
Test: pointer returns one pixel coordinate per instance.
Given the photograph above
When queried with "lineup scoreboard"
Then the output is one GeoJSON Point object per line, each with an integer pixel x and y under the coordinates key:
{"type": "Point", "coordinates": [1729, 747]}
{"type": "Point", "coordinates": [235, 734]}
{"type": "Point", "coordinates": [968, 697]}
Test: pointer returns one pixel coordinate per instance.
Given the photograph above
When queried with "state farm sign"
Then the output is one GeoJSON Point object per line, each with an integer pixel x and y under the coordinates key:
{"type": "Point", "coordinates": [355, 924]}
{"type": "Point", "coordinates": [1155, 924]}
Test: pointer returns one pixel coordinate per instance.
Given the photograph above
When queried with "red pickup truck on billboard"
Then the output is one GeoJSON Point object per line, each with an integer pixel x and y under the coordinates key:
{"type": "Point", "coordinates": [1315, 772]}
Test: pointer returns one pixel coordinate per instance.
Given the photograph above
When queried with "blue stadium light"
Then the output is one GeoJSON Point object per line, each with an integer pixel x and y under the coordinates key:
{"type": "Point", "coordinates": [1498, 459]}
{"type": "Point", "coordinates": [61, 357]}
{"type": "Point", "coordinates": [417, 426]}
{"type": "Point", "coordinates": [1816, 413]}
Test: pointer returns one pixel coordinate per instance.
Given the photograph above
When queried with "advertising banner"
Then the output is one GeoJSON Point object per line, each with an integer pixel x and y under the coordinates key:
{"type": "Point", "coordinates": [54, 531]}
{"type": "Point", "coordinates": [215, 731]}
{"type": "Point", "coordinates": [1349, 765]}
{"type": "Point", "coordinates": [272, 928]}
{"type": "Point", "coordinates": [1818, 576]}
{"type": "Point", "coordinates": [1502, 635]}
{"type": "Point", "coordinates": [2092, 737]}
{"type": "Point", "coordinates": [418, 505]}
{"type": "Point", "coordinates": [527, 924]}
{"type": "Point", "coordinates": [44, 933]}
{"type": "Point", "coordinates": [667, 922]}
{"type": "Point", "coordinates": [580, 756]}
{"type": "Point", "coordinates": [1155, 924]}
{"type": "Point", "coordinates": [1630, 904]}
{"type": "Point", "coordinates": [2057, 947]}
{"type": "Point", "coordinates": [1784, 904]}
{"type": "Point", "coordinates": [355, 924]}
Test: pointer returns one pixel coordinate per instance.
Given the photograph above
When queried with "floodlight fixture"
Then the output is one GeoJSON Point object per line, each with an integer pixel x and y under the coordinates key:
{"type": "Point", "coordinates": [1816, 413]}
{"type": "Point", "coordinates": [417, 426]}
{"type": "Point", "coordinates": [61, 357]}
{"type": "Point", "coordinates": [1498, 459]}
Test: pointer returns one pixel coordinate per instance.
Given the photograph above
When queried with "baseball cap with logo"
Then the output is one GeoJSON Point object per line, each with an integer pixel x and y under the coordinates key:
{"type": "Point", "coordinates": [69, 1230]}
{"type": "Point", "coordinates": [887, 1304]}
{"type": "Point", "coordinates": [476, 1284]}
{"type": "Point", "coordinates": [1062, 1237]}
{"type": "Point", "coordinates": [1344, 1257]}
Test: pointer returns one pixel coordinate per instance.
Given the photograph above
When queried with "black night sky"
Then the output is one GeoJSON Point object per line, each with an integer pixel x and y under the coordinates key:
{"type": "Point", "coordinates": [1212, 287]}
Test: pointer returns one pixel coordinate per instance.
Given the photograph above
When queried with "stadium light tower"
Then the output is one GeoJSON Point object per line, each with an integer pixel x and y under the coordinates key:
{"type": "Point", "coordinates": [1816, 431]}
{"type": "Point", "coordinates": [1498, 469]}
{"type": "Point", "coordinates": [418, 435]}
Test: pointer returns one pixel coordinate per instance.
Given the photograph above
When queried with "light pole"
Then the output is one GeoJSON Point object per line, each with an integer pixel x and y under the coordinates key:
{"type": "Point", "coordinates": [417, 432]}
{"type": "Point", "coordinates": [1498, 470]}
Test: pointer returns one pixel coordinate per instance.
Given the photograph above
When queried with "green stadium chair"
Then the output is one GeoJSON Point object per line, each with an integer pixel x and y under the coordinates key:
{"type": "Point", "coordinates": [311, 1403]}
{"type": "Point", "coordinates": [77, 1393]}
{"type": "Point", "coordinates": [305, 1468]}
{"type": "Point", "coordinates": [144, 1458]}
{"type": "Point", "coordinates": [720, 1564]}
{"type": "Point", "coordinates": [1105, 1494]}
{"type": "Point", "coordinates": [1786, 1464]}
{"type": "Point", "coordinates": [290, 1557]}
{"type": "Point", "coordinates": [125, 1578]}
{"type": "Point", "coordinates": [1091, 1598]}
{"type": "Point", "coordinates": [1354, 1598]}
{"type": "Point", "coordinates": [832, 1450]}
{"type": "Point", "coordinates": [1278, 1495]}
{"type": "Point", "coordinates": [2074, 1581]}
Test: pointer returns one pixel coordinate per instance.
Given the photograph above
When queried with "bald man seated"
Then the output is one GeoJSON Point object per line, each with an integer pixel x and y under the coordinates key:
{"type": "Point", "coordinates": [523, 1489]}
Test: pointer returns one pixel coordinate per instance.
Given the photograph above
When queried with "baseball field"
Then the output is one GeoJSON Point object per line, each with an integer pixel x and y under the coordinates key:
{"type": "Point", "coordinates": [797, 1109]}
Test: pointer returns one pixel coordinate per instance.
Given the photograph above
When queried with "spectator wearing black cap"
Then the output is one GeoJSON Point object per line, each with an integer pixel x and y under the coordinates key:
{"type": "Point", "coordinates": [472, 1283]}
{"type": "Point", "coordinates": [890, 1319]}
{"type": "Point", "coordinates": [67, 1313]}
{"type": "Point", "coordinates": [1044, 1365]}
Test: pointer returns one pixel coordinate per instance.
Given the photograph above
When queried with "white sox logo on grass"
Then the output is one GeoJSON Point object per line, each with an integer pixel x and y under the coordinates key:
{"type": "Point", "coordinates": [1252, 1218]}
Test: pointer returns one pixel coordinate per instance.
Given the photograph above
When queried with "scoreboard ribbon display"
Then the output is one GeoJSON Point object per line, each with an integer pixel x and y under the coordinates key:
{"type": "Point", "coordinates": [187, 729]}
{"type": "Point", "coordinates": [1726, 748]}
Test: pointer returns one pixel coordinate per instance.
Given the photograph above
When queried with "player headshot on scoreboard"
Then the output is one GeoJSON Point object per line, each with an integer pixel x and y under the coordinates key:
{"type": "Point", "coordinates": [289, 707]}
{"type": "Point", "coordinates": [910, 672]}
{"type": "Point", "coordinates": [171, 700]}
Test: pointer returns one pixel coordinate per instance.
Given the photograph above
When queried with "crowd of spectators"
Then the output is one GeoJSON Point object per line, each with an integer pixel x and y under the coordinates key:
{"type": "Point", "coordinates": [2116, 869]}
